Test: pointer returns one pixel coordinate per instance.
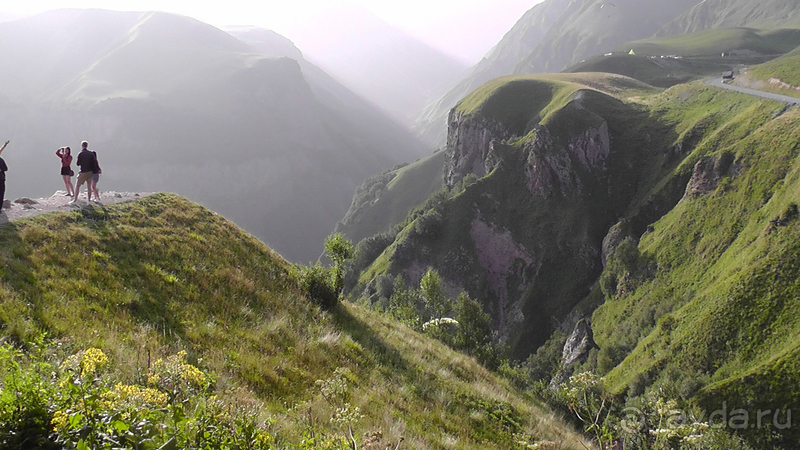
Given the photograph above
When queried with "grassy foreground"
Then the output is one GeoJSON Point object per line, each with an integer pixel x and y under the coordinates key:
{"type": "Point", "coordinates": [145, 281]}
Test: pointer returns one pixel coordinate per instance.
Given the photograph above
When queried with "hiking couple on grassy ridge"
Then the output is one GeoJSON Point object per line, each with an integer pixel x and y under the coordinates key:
{"type": "Point", "coordinates": [89, 174]}
{"type": "Point", "coordinates": [87, 161]}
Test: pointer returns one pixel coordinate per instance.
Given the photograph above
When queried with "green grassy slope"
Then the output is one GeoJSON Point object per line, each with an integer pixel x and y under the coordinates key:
{"type": "Point", "coordinates": [701, 307]}
{"type": "Point", "coordinates": [717, 41]}
{"type": "Point", "coordinates": [699, 55]}
{"type": "Point", "coordinates": [521, 101]}
{"type": "Point", "coordinates": [779, 75]}
{"type": "Point", "coordinates": [383, 201]}
{"type": "Point", "coordinates": [708, 312]}
{"type": "Point", "coordinates": [660, 73]}
{"type": "Point", "coordinates": [147, 279]}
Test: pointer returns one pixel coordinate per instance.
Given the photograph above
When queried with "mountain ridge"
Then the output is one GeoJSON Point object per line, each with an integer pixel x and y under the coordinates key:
{"type": "Point", "coordinates": [387, 66]}
{"type": "Point", "coordinates": [556, 34]}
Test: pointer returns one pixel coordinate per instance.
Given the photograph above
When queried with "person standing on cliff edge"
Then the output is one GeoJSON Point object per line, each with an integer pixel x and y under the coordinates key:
{"type": "Point", "coordinates": [3, 169]}
{"type": "Point", "coordinates": [66, 171]}
{"type": "Point", "coordinates": [86, 161]}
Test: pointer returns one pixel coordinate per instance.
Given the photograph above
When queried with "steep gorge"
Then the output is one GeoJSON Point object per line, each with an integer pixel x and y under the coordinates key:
{"type": "Point", "coordinates": [553, 160]}
{"type": "Point", "coordinates": [666, 221]}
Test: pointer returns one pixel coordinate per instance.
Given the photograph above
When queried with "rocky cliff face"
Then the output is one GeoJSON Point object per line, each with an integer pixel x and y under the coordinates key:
{"type": "Point", "coordinates": [503, 244]}
{"type": "Point", "coordinates": [469, 144]}
{"type": "Point", "coordinates": [504, 259]}
{"type": "Point", "coordinates": [551, 170]}
{"type": "Point", "coordinates": [707, 173]}
{"type": "Point", "coordinates": [576, 349]}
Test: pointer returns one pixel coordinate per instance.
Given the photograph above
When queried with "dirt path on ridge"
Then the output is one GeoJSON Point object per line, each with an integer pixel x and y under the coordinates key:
{"type": "Point", "coordinates": [26, 207]}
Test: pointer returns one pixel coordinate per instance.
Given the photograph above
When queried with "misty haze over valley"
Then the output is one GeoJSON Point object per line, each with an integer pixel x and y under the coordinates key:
{"type": "Point", "coordinates": [597, 212]}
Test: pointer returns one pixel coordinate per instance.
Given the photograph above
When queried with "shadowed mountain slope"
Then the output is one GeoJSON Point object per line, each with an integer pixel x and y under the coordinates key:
{"type": "Point", "coordinates": [383, 201]}
{"type": "Point", "coordinates": [710, 14]}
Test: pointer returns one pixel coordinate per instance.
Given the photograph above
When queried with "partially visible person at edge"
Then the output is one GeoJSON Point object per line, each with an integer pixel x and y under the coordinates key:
{"type": "Point", "coordinates": [66, 171]}
{"type": "Point", "coordinates": [95, 178]}
{"type": "Point", "coordinates": [3, 169]}
{"type": "Point", "coordinates": [86, 162]}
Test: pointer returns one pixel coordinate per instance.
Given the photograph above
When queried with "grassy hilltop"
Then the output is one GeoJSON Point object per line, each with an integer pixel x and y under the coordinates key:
{"type": "Point", "coordinates": [147, 280]}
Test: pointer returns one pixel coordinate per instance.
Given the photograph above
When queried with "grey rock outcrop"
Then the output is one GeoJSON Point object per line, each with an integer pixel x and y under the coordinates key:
{"type": "Point", "coordinates": [576, 350]}
{"type": "Point", "coordinates": [551, 170]}
{"type": "Point", "coordinates": [707, 173]}
{"type": "Point", "coordinates": [616, 235]}
{"type": "Point", "coordinates": [469, 141]}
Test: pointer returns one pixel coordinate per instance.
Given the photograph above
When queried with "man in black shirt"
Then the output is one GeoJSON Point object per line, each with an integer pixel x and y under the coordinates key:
{"type": "Point", "coordinates": [3, 169]}
{"type": "Point", "coordinates": [86, 160]}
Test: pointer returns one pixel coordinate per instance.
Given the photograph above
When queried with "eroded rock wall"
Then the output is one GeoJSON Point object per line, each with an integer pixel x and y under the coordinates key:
{"type": "Point", "coordinates": [469, 139]}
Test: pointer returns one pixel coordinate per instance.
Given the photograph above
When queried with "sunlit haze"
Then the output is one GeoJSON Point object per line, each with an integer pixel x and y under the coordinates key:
{"type": "Point", "coordinates": [463, 29]}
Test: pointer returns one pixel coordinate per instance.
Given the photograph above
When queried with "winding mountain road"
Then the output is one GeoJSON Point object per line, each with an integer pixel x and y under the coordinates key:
{"type": "Point", "coordinates": [717, 82]}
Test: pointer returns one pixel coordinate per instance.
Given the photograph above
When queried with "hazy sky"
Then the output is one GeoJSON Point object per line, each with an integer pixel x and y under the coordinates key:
{"type": "Point", "coordinates": [465, 29]}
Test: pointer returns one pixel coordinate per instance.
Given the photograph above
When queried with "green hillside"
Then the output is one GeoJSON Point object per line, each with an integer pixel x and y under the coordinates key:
{"type": "Point", "coordinates": [474, 231]}
{"type": "Point", "coordinates": [384, 200]}
{"type": "Point", "coordinates": [678, 246]}
{"type": "Point", "coordinates": [706, 307]}
{"type": "Point", "coordinates": [668, 61]}
{"type": "Point", "coordinates": [779, 75]}
{"type": "Point", "coordinates": [718, 41]}
{"type": "Point", "coordinates": [144, 281]}
{"type": "Point", "coordinates": [519, 100]}
{"type": "Point", "coordinates": [655, 72]}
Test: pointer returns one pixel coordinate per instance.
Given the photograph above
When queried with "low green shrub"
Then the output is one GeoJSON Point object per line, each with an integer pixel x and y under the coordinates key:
{"type": "Point", "coordinates": [317, 281]}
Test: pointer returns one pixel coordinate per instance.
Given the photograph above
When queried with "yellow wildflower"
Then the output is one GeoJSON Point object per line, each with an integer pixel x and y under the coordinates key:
{"type": "Point", "coordinates": [59, 420]}
{"type": "Point", "coordinates": [193, 375]}
{"type": "Point", "coordinates": [173, 372]}
{"type": "Point", "coordinates": [93, 359]}
{"type": "Point", "coordinates": [86, 362]}
{"type": "Point", "coordinates": [131, 397]}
